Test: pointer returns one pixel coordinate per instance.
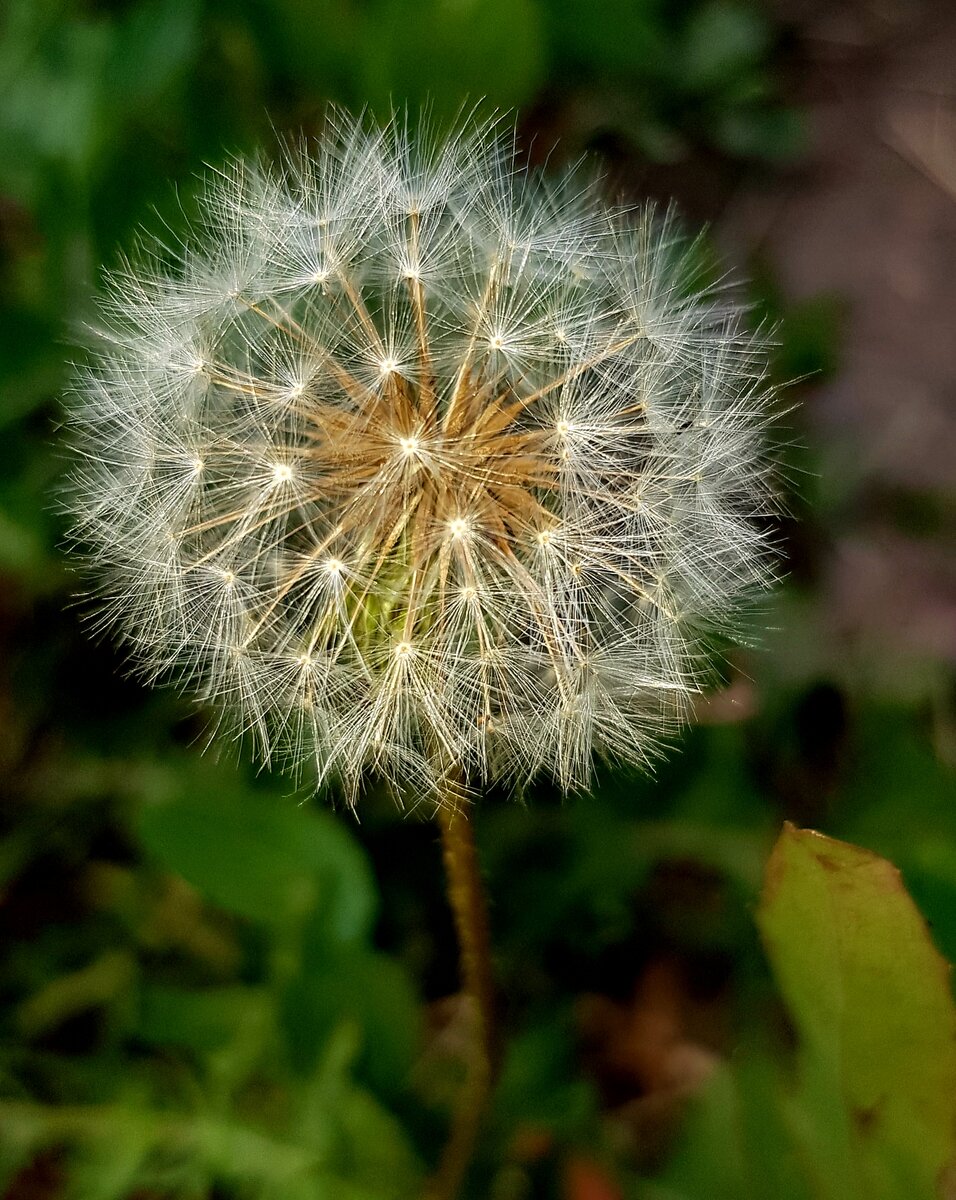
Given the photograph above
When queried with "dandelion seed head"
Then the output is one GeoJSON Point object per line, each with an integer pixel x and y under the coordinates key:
{"type": "Point", "coordinates": [419, 461]}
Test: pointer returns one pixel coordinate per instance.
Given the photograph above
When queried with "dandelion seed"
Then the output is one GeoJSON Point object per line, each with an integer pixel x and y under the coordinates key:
{"type": "Point", "coordinates": [419, 461]}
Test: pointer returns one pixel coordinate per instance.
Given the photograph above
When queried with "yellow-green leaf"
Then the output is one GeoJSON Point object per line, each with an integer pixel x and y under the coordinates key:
{"type": "Point", "coordinates": [870, 997]}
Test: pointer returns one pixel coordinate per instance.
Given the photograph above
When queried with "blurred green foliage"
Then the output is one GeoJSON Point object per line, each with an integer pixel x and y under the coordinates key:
{"type": "Point", "coordinates": [211, 991]}
{"type": "Point", "coordinates": [235, 1046]}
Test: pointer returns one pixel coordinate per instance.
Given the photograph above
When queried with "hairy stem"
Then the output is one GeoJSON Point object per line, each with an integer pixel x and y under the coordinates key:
{"type": "Point", "coordinates": [466, 896]}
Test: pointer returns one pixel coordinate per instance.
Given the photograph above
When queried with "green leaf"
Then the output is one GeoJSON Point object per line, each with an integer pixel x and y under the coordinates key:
{"type": "Point", "coordinates": [540, 1083]}
{"type": "Point", "coordinates": [108, 1168]}
{"type": "Point", "coordinates": [738, 1144]}
{"type": "Point", "coordinates": [627, 39]}
{"type": "Point", "coordinates": [201, 1021]}
{"type": "Point", "coordinates": [103, 982]}
{"type": "Point", "coordinates": [314, 42]}
{"type": "Point", "coordinates": [363, 1149]}
{"type": "Point", "coordinates": [155, 45]}
{"type": "Point", "coordinates": [22, 551]}
{"type": "Point", "coordinates": [53, 67]}
{"type": "Point", "coordinates": [870, 997]}
{"type": "Point", "coordinates": [721, 40]}
{"type": "Point", "coordinates": [444, 52]}
{"type": "Point", "coordinates": [263, 858]}
{"type": "Point", "coordinates": [761, 130]}
{"type": "Point", "coordinates": [371, 990]}
{"type": "Point", "coordinates": [30, 373]}
{"type": "Point", "coordinates": [712, 1163]}
{"type": "Point", "coordinates": [376, 1158]}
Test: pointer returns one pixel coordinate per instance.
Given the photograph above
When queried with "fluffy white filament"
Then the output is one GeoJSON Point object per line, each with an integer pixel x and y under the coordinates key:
{"type": "Point", "coordinates": [417, 463]}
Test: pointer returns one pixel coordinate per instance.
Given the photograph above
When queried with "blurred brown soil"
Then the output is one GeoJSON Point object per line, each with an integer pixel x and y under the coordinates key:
{"type": "Point", "coordinates": [869, 216]}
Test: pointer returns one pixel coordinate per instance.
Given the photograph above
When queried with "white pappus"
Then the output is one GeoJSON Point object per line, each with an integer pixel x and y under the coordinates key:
{"type": "Point", "coordinates": [416, 462]}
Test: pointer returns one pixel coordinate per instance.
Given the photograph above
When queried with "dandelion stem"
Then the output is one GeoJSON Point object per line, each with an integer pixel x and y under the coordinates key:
{"type": "Point", "coordinates": [466, 896]}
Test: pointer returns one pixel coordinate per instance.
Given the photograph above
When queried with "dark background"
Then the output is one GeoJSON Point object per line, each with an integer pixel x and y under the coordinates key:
{"type": "Point", "coordinates": [210, 990]}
